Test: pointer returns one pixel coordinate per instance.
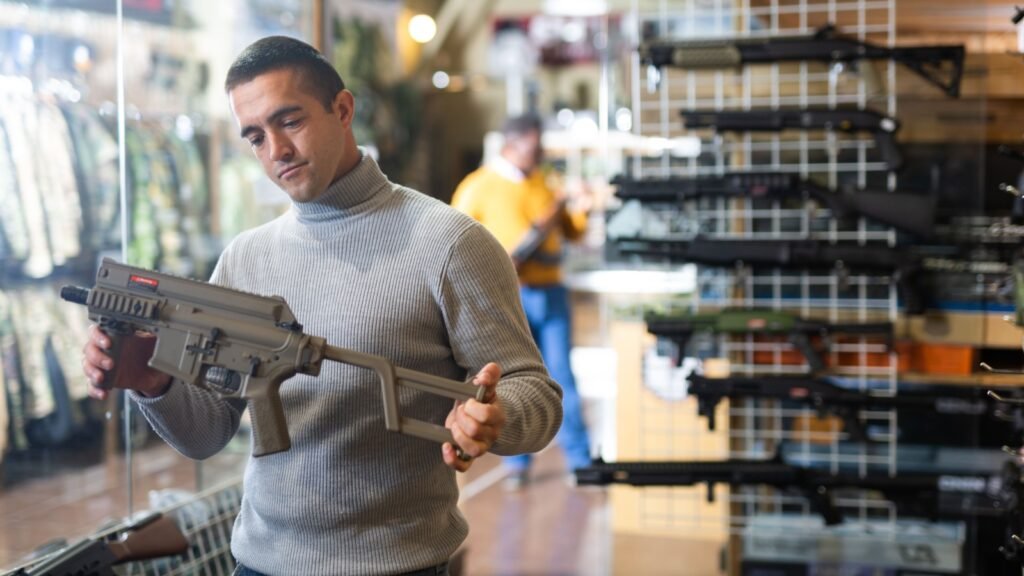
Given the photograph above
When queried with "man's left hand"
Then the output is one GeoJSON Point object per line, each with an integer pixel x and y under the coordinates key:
{"type": "Point", "coordinates": [475, 425]}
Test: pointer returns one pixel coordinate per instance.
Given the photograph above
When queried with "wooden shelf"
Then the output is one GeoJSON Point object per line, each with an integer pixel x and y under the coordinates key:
{"type": "Point", "coordinates": [978, 379]}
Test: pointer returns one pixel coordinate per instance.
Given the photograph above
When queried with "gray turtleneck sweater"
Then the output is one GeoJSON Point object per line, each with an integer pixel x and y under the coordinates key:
{"type": "Point", "coordinates": [382, 269]}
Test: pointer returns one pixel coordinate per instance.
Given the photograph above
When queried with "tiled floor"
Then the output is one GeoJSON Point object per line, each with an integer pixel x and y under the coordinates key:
{"type": "Point", "coordinates": [547, 528]}
{"type": "Point", "coordinates": [38, 509]}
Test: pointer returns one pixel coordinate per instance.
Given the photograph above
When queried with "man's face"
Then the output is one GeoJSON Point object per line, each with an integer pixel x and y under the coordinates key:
{"type": "Point", "coordinates": [300, 144]}
{"type": "Point", "coordinates": [527, 150]}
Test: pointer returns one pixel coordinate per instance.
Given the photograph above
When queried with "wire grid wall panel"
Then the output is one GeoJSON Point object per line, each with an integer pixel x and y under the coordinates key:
{"type": "Point", "coordinates": [757, 428]}
{"type": "Point", "coordinates": [206, 520]}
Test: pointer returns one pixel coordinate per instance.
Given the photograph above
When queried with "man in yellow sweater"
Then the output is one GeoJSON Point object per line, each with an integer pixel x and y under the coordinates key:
{"type": "Point", "coordinates": [511, 199]}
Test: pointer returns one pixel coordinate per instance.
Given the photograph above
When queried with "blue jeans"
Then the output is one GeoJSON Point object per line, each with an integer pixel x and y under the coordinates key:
{"type": "Point", "coordinates": [547, 311]}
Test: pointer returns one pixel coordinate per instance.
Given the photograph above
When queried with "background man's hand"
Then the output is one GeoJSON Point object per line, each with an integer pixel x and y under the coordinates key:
{"type": "Point", "coordinates": [475, 425]}
{"type": "Point", "coordinates": [132, 369]}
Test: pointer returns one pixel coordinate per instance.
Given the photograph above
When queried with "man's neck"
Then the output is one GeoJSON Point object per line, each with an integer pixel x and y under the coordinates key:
{"type": "Point", "coordinates": [507, 169]}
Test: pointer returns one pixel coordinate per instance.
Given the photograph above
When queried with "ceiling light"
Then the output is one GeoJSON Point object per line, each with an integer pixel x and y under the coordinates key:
{"type": "Point", "coordinates": [422, 28]}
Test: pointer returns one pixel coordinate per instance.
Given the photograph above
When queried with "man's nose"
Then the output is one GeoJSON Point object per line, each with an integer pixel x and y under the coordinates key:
{"type": "Point", "coordinates": [281, 149]}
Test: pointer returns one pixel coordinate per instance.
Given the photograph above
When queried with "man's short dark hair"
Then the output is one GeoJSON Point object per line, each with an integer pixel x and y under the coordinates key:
{"type": "Point", "coordinates": [280, 52]}
{"type": "Point", "coordinates": [521, 125]}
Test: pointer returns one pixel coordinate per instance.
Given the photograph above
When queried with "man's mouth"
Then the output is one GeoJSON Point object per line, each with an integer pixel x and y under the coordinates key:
{"type": "Point", "coordinates": [289, 170]}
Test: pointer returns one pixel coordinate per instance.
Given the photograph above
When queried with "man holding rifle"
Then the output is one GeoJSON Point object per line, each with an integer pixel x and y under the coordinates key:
{"type": "Point", "coordinates": [370, 266]}
{"type": "Point", "coordinates": [510, 197]}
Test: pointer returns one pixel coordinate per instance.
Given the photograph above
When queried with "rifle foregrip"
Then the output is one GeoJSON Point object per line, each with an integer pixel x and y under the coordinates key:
{"type": "Point", "coordinates": [708, 55]}
{"type": "Point", "coordinates": [269, 428]}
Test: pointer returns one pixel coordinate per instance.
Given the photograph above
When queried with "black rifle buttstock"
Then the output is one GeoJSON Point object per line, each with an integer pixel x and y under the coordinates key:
{"type": "Point", "coordinates": [940, 66]}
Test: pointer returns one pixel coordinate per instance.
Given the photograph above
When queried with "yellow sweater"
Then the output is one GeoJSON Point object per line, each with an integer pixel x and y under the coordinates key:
{"type": "Point", "coordinates": [508, 208]}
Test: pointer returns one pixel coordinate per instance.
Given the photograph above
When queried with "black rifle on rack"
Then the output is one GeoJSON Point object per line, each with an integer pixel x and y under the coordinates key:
{"type": "Point", "coordinates": [941, 66]}
{"type": "Point", "coordinates": [679, 328]}
{"type": "Point", "coordinates": [829, 399]}
{"type": "Point", "coordinates": [933, 496]}
{"type": "Point", "coordinates": [913, 213]}
{"type": "Point", "coordinates": [153, 536]}
{"type": "Point", "coordinates": [849, 120]}
{"type": "Point", "coordinates": [800, 254]}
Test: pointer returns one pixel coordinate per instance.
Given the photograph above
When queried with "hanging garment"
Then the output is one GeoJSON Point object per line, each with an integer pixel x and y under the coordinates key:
{"type": "Point", "coordinates": [50, 417]}
{"type": "Point", "coordinates": [96, 167]}
{"type": "Point", "coordinates": [12, 219]}
{"type": "Point", "coordinates": [20, 120]}
{"type": "Point", "coordinates": [68, 324]}
{"type": "Point", "coordinates": [14, 385]}
{"type": "Point", "coordinates": [5, 419]}
{"type": "Point", "coordinates": [143, 240]}
{"type": "Point", "coordinates": [189, 177]}
{"type": "Point", "coordinates": [163, 194]}
{"type": "Point", "coordinates": [31, 327]}
{"type": "Point", "coordinates": [58, 426]}
{"type": "Point", "coordinates": [56, 176]}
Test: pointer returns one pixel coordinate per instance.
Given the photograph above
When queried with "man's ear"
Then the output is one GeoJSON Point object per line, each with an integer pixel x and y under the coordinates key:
{"type": "Point", "coordinates": [344, 107]}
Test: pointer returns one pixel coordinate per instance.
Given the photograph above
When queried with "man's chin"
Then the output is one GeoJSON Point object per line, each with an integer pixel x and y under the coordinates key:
{"type": "Point", "coordinates": [300, 195]}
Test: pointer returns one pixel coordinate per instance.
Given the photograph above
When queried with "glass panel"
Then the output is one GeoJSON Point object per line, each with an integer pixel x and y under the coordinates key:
{"type": "Point", "coordinates": [62, 457]}
{"type": "Point", "coordinates": [193, 185]}
{"type": "Point", "coordinates": [71, 464]}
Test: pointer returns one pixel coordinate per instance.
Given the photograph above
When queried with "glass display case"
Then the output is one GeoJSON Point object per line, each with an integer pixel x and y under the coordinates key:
{"type": "Point", "coordinates": [83, 86]}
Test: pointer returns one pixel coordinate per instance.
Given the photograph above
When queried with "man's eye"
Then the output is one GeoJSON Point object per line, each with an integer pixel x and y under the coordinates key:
{"type": "Point", "coordinates": [290, 123]}
{"type": "Point", "coordinates": [255, 142]}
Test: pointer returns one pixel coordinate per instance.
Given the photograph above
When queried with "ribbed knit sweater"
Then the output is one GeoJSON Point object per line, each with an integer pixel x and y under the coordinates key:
{"type": "Point", "coordinates": [382, 269]}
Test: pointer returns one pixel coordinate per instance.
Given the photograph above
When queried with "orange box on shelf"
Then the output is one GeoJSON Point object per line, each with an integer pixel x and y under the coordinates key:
{"type": "Point", "coordinates": [851, 359]}
{"type": "Point", "coordinates": [784, 357]}
{"type": "Point", "coordinates": [944, 359]}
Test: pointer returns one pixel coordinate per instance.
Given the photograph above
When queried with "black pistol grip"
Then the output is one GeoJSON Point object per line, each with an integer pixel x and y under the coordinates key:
{"type": "Point", "coordinates": [802, 342]}
{"type": "Point", "coordinates": [889, 150]}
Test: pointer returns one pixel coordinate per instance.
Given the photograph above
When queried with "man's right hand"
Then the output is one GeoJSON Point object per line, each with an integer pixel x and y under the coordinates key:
{"type": "Point", "coordinates": [133, 371]}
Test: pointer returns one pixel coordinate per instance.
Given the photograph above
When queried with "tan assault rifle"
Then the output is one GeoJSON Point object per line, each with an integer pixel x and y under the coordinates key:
{"type": "Point", "coordinates": [240, 345]}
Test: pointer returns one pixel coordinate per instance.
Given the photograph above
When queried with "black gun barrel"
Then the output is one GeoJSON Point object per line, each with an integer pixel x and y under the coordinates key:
{"type": "Point", "coordinates": [843, 119]}
{"type": "Point", "coordinates": [74, 294]}
{"type": "Point", "coordinates": [783, 253]}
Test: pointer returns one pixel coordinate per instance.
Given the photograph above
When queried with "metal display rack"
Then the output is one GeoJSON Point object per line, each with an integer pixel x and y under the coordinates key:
{"type": "Point", "coordinates": [206, 519]}
{"type": "Point", "coordinates": [757, 427]}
